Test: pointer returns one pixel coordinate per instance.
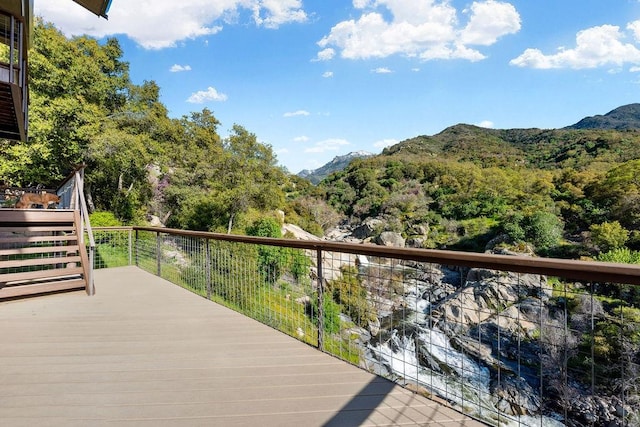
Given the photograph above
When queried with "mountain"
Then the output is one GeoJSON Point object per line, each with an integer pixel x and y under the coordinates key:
{"type": "Point", "coordinates": [539, 148]}
{"type": "Point", "coordinates": [622, 118]}
{"type": "Point", "coordinates": [592, 139]}
{"type": "Point", "coordinates": [337, 164]}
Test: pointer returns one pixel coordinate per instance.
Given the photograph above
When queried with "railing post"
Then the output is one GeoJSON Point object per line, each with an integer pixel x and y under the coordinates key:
{"type": "Point", "coordinates": [92, 255]}
{"type": "Point", "coordinates": [320, 301]}
{"type": "Point", "coordinates": [158, 272]}
{"type": "Point", "coordinates": [131, 246]}
{"type": "Point", "coordinates": [207, 266]}
{"type": "Point", "coordinates": [137, 250]}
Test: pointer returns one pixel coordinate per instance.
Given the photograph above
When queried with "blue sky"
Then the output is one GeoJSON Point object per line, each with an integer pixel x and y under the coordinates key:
{"type": "Point", "coordinates": [318, 78]}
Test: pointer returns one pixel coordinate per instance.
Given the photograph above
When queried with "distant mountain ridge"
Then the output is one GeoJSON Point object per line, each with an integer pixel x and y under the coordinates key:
{"type": "Point", "coordinates": [593, 138]}
{"type": "Point", "coordinates": [337, 164]}
{"type": "Point", "coordinates": [622, 118]}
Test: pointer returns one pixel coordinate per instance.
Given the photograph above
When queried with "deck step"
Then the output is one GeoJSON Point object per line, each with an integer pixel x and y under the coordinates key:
{"type": "Point", "coordinates": [41, 288]}
{"type": "Point", "coordinates": [41, 251]}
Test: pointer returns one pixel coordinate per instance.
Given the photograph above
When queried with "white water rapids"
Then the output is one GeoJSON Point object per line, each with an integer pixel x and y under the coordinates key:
{"type": "Point", "coordinates": [467, 385]}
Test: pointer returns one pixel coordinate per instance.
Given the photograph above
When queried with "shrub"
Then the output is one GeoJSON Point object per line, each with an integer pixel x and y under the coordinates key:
{"type": "Point", "coordinates": [609, 235]}
{"type": "Point", "coordinates": [622, 256]}
{"type": "Point", "coordinates": [104, 219]}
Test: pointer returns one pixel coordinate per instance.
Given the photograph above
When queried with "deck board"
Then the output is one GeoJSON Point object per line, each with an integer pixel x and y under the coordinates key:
{"type": "Point", "coordinates": [143, 352]}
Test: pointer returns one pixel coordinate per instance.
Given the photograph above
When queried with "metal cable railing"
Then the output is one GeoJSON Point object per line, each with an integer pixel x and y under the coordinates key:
{"type": "Point", "coordinates": [510, 340]}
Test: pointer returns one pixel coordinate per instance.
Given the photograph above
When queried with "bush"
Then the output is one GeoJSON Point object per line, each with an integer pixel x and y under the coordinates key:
{"type": "Point", "coordinates": [104, 219]}
{"type": "Point", "coordinates": [543, 229]}
{"type": "Point", "coordinates": [609, 235]}
{"type": "Point", "coordinates": [331, 312]}
{"type": "Point", "coordinates": [265, 227]}
{"type": "Point", "coordinates": [352, 296]}
{"type": "Point", "coordinates": [622, 256]}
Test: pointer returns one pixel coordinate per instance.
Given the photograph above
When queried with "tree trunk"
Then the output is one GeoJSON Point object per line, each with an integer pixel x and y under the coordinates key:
{"type": "Point", "coordinates": [90, 204]}
{"type": "Point", "coordinates": [230, 223]}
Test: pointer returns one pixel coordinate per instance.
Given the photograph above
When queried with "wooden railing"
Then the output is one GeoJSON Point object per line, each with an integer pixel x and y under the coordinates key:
{"type": "Point", "coordinates": [71, 193]}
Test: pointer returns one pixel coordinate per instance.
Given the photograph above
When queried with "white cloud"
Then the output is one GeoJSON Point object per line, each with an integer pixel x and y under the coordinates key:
{"type": "Point", "coordinates": [385, 143]}
{"type": "Point", "coordinates": [361, 4]}
{"type": "Point", "coordinates": [301, 138]}
{"type": "Point", "coordinates": [179, 68]}
{"type": "Point", "coordinates": [424, 29]}
{"type": "Point", "coordinates": [273, 13]}
{"type": "Point", "coordinates": [634, 27]}
{"type": "Point", "coordinates": [160, 24]}
{"type": "Point", "coordinates": [296, 113]}
{"type": "Point", "coordinates": [202, 96]}
{"type": "Point", "coordinates": [381, 70]}
{"type": "Point", "coordinates": [488, 21]}
{"type": "Point", "coordinates": [486, 124]}
{"type": "Point", "coordinates": [333, 144]}
{"type": "Point", "coordinates": [326, 54]}
{"type": "Point", "coordinates": [327, 74]}
{"type": "Point", "coordinates": [634, 69]}
{"type": "Point", "coordinates": [595, 47]}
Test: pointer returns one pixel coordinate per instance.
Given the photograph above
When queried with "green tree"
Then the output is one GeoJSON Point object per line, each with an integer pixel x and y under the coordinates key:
{"type": "Point", "coordinates": [272, 259]}
{"type": "Point", "coordinates": [544, 229]}
{"type": "Point", "coordinates": [249, 176]}
{"type": "Point", "coordinates": [619, 191]}
{"type": "Point", "coordinates": [349, 292]}
{"type": "Point", "coordinates": [609, 235]}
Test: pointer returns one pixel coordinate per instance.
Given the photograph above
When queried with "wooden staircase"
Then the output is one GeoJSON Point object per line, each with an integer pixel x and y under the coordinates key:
{"type": "Point", "coordinates": [41, 251]}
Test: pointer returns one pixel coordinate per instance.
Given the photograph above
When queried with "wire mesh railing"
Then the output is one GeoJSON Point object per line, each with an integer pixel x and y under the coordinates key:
{"type": "Point", "coordinates": [509, 340]}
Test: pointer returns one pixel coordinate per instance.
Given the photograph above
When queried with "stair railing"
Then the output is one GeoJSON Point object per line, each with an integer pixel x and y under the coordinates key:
{"type": "Point", "coordinates": [71, 193]}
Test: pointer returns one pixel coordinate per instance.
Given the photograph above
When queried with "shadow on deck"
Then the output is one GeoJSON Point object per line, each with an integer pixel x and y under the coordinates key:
{"type": "Point", "coordinates": [145, 352]}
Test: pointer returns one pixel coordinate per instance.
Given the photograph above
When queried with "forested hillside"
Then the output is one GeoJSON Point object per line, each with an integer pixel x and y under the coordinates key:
{"type": "Point", "coordinates": [567, 192]}
{"type": "Point", "coordinates": [563, 192]}
{"type": "Point", "coordinates": [85, 109]}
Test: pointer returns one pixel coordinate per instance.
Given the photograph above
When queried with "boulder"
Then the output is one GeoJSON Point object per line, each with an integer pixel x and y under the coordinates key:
{"type": "Point", "coordinates": [368, 228]}
{"type": "Point", "coordinates": [416, 242]}
{"type": "Point", "coordinates": [420, 230]}
{"type": "Point", "coordinates": [391, 239]}
{"type": "Point", "coordinates": [489, 292]}
{"type": "Point", "coordinates": [513, 395]}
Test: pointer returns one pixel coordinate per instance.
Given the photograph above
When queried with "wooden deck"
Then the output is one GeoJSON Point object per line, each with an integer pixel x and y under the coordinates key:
{"type": "Point", "coordinates": [143, 352]}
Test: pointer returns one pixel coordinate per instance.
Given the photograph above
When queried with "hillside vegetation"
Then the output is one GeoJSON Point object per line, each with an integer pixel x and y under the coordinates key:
{"type": "Point", "coordinates": [85, 109]}
{"type": "Point", "coordinates": [565, 192]}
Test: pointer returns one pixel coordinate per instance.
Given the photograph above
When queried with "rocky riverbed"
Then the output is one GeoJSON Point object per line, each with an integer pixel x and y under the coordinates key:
{"type": "Point", "coordinates": [479, 338]}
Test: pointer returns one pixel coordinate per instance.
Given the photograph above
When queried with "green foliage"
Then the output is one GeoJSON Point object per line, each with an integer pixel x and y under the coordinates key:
{"type": "Point", "coordinates": [620, 255]}
{"type": "Point", "coordinates": [543, 229]}
{"type": "Point", "coordinates": [331, 313]}
{"type": "Point", "coordinates": [312, 214]}
{"type": "Point", "coordinates": [609, 236]}
{"type": "Point", "coordinates": [274, 261]}
{"type": "Point", "coordinates": [271, 259]}
{"type": "Point", "coordinates": [619, 191]}
{"type": "Point", "coordinates": [265, 227]}
{"type": "Point", "coordinates": [104, 219]}
{"type": "Point", "coordinates": [348, 292]}
{"type": "Point", "coordinates": [299, 264]}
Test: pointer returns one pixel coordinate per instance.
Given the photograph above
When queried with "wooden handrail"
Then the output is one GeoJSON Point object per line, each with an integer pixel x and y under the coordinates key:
{"type": "Point", "coordinates": [570, 269]}
{"type": "Point", "coordinates": [71, 175]}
